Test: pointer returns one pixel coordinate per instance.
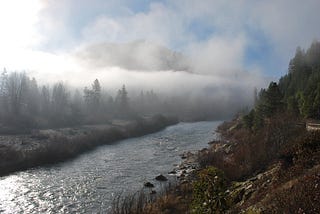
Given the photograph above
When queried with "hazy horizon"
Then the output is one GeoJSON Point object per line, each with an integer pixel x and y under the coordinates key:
{"type": "Point", "coordinates": [214, 49]}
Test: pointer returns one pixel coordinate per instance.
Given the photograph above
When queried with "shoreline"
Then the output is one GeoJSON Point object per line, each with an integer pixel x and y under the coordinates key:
{"type": "Point", "coordinates": [175, 193]}
{"type": "Point", "coordinates": [190, 163]}
{"type": "Point", "coordinates": [43, 147]}
{"type": "Point", "coordinates": [245, 184]}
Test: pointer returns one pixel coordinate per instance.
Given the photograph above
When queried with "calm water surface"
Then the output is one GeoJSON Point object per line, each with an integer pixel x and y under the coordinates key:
{"type": "Point", "coordinates": [88, 183]}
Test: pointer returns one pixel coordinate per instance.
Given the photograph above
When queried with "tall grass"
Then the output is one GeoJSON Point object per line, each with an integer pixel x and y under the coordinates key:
{"type": "Point", "coordinates": [172, 198]}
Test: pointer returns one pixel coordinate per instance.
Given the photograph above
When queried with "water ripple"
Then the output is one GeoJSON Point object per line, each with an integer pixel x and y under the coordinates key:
{"type": "Point", "coordinates": [88, 183]}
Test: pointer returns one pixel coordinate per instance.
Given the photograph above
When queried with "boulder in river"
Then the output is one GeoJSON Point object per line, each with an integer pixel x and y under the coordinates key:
{"type": "Point", "coordinates": [148, 184]}
{"type": "Point", "coordinates": [183, 156]}
{"type": "Point", "coordinates": [161, 178]}
{"type": "Point", "coordinates": [173, 172]}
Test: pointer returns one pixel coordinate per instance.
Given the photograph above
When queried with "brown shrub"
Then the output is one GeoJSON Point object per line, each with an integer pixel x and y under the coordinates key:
{"type": "Point", "coordinates": [253, 152]}
{"type": "Point", "coordinates": [302, 197]}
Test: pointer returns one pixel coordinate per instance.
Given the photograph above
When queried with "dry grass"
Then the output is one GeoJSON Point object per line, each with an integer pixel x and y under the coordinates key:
{"type": "Point", "coordinates": [173, 198]}
{"type": "Point", "coordinates": [54, 148]}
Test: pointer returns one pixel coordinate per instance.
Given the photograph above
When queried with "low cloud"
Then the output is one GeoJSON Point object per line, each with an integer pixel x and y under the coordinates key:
{"type": "Point", "coordinates": [138, 55]}
{"type": "Point", "coordinates": [218, 56]}
{"type": "Point", "coordinates": [282, 25]}
{"type": "Point", "coordinates": [185, 47]}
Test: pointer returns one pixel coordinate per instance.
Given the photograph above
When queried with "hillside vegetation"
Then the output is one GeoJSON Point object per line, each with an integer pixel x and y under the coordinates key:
{"type": "Point", "coordinates": [266, 161]}
{"type": "Point", "coordinates": [297, 93]}
{"type": "Point", "coordinates": [272, 163]}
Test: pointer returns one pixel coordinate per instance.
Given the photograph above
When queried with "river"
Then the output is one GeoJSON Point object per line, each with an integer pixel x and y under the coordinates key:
{"type": "Point", "coordinates": [88, 183]}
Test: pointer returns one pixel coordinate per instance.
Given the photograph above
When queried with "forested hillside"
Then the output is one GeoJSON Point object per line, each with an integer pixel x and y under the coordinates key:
{"type": "Point", "coordinates": [297, 93]}
{"type": "Point", "coordinates": [269, 156]}
{"type": "Point", "coordinates": [301, 86]}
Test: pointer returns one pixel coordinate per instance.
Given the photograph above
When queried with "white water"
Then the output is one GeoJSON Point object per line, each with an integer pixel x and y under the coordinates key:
{"type": "Point", "coordinates": [88, 183]}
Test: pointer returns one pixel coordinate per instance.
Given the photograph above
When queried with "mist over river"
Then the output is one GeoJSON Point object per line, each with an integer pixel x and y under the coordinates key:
{"type": "Point", "coordinates": [88, 183]}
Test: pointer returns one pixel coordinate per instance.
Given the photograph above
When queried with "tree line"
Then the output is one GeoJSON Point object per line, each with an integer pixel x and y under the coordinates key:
{"type": "Point", "coordinates": [298, 92]}
{"type": "Point", "coordinates": [24, 104]}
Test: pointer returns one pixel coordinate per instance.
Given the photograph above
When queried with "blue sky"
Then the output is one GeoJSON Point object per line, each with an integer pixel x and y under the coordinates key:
{"type": "Point", "coordinates": [251, 35]}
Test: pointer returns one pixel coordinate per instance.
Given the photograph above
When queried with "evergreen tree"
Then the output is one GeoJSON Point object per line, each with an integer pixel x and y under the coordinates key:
{"type": "Point", "coordinates": [293, 106]}
{"type": "Point", "coordinates": [92, 97]}
{"type": "Point", "coordinates": [122, 101]}
{"type": "Point", "coordinates": [273, 102]}
{"type": "Point", "coordinates": [297, 63]}
{"type": "Point", "coordinates": [298, 91]}
{"type": "Point", "coordinates": [124, 98]}
{"type": "Point", "coordinates": [96, 93]}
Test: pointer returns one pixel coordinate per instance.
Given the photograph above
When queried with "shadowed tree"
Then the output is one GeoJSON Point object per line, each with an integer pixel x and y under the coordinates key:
{"type": "Point", "coordinates": [122, 101]}
{"type": "Point", "coordinates": [17, 89]}
{"type": "Point", "coordinates": [273, 101]}
{"type": "Point", "coordinates": [92, 96]}
{"type": "Point", "coordinates": [96, 89]}
{"type": "Point", "coordinates": [60, 108]}
{"type": "Point", "coordinates": [4, 94]}
{"type": "Point", "coordinates": [33, 97]}
{"type": "Point", "coordinates": [45, 101]}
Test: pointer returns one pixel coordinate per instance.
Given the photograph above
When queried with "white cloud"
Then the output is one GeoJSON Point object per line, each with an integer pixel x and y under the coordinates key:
{"type": "Point", "coordinates": [137, 55]}
{"type": "Point", "coordinates": [218, 55]}
{"type": "Point", "coordinates": [17, 23]}
{"type": "Point", "coordinates": [103, 29]}
{"type": "Point", "coordinates": [288, 24]}
{"type": "Point", "coordinates": [159, 25]}
{"type": "Point", "coordinates": [283, 24]}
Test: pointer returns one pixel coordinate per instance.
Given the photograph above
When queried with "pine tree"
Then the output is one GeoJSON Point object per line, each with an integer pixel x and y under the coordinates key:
{"type": "Point", "coordinates": [124, 98]}
{"type": "Point", "coordinates": [273, 102]}
{"type": "Point", "coordinates": [96, 93]}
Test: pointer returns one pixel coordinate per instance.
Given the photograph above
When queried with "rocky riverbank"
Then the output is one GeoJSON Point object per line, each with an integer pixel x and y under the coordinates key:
{"type": "Point", "coordinates": [274, 170]}
{"type": "Point", "coordinates": [255, 173]}
{"type": "Point", "coordinates": [18, 152]}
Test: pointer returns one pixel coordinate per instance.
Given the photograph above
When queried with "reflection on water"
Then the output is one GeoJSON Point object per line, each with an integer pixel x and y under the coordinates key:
{"type": "Point", "coordinates": [87, 184]}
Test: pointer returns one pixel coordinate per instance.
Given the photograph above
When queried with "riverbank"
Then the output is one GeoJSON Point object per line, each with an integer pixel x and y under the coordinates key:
{"type": "Point", "coordinates": [273, 170]}
{"type": "Point", "coordinates": [19, 152]}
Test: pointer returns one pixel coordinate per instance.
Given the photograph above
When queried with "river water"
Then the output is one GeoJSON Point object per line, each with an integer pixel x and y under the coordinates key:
{"type": "Point", "coordinates": [88, 183]}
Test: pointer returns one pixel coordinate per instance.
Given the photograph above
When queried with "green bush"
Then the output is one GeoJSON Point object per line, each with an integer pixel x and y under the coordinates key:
{"type": "Point", "coordinates": [209, 192]}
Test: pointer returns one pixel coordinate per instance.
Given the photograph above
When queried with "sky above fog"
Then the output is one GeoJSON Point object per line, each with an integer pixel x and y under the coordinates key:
{"type": "Point", "coordinates": [140, 42]}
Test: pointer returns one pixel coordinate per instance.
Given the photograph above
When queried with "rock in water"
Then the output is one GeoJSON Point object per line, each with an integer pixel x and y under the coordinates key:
{"type": "Point", "coordinates": [172, 172]}
{"type": "Point", "coordinates": [148, 184]}
{"type": "Point", "coordinates": [161, 178]}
